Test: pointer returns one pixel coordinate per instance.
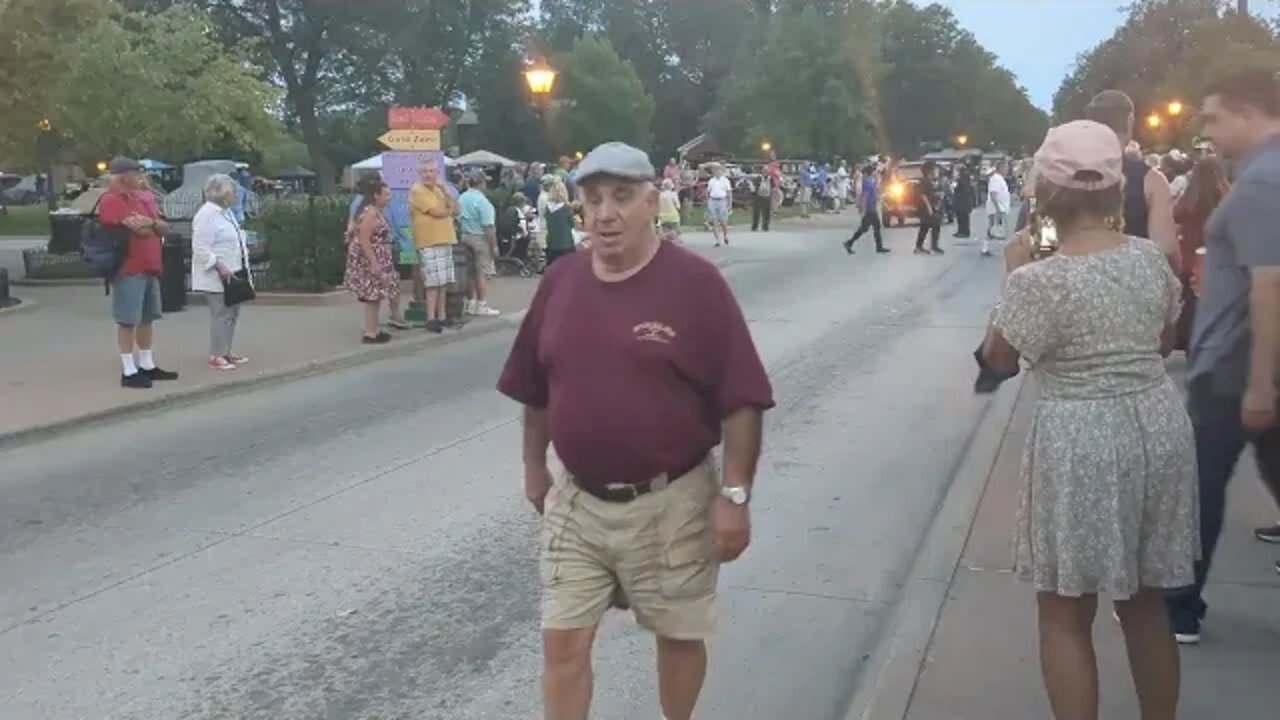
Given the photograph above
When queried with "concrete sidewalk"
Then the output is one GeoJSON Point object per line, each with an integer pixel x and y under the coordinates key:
{"type": "Point", "coordinates": [983, 660]}
{"type": "Point", "coordinates": [59, 367]}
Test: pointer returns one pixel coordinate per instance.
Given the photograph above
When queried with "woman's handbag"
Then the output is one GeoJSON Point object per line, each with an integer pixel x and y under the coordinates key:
{"type": "Point", "coordinates": [238, 287]}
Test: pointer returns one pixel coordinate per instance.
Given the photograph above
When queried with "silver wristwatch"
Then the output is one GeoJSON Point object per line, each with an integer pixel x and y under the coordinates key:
{"type": "Point", "coordinates": [736, 494]}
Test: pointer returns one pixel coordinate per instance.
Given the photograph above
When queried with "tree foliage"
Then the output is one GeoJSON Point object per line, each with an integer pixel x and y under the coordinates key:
{"type": "Point", "coordinates": [799, 89]}
{"type": "Point", "coordinates": [37, 41]}
{"type": "Point", "coordinates": [159, 84]}
{"type": "Point", "coordinates": [1166, 50]}
{"type": "Point", "coordinates": [605, 99]}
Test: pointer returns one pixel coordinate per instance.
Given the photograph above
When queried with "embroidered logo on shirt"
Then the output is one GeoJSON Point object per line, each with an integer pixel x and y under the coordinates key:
{"type": "Point", "coordinates": [654, 331]}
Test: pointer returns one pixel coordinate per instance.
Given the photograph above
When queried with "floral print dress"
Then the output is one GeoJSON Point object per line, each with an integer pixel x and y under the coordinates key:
{"type": "Point", "coordinates": [377, 282]}
{"type": "Point", "coordinates": [1109, 499]}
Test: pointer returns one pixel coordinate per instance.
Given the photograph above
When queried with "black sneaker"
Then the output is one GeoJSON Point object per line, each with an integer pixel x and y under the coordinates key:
{"type": "Point", "coordinates": [155, 374]}
{"type": "Point", "coordinates": [379, 339]}
{"type": "Point", "coordinates": [882, 250]}
{"type": "Point", "coordinates": [136, 381]}
{"type": "Point", "coordinates": [848, 246]}
{"type": "Point", "coordinates": [1268, 534]}
{"type": "Point", "coordinates": [435, 326]}
{"type": "Point", "coordinates": [936, 251]}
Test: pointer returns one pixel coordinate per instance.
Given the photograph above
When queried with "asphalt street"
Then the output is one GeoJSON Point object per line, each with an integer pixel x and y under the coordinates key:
{"type": "Point", "coordinates": [356, 545]}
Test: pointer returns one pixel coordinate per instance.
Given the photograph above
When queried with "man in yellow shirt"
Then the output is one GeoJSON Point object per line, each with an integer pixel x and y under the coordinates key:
{"type": "Point", "coordinates": [432, 207]}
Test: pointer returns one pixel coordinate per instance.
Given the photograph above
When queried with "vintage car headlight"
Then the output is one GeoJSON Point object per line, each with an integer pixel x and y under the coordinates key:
{"type": "Point", "coordinates": [897, 190]}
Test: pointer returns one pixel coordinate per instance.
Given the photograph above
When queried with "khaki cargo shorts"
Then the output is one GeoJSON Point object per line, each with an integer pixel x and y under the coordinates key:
{"type": "Point", "coordinates": [657, 549]}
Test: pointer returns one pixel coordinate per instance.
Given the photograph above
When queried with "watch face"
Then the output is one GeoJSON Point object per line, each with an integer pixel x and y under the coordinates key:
{"type": "Point", "coordinates": [736, 495]}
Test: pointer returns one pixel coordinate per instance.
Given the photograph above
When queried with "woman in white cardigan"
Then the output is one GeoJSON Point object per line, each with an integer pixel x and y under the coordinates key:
{"type": "Point", "coordinates": [217, 251]}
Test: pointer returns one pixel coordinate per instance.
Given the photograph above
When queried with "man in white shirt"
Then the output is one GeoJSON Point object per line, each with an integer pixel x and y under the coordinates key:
{"type": "Point", "coordinates": [719, 203]}
{"type": "Point", "coordinates": [997, 205]}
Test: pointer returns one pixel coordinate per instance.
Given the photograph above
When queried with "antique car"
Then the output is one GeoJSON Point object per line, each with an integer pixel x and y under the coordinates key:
{"type": "Point", "coordinates": [898, 198]}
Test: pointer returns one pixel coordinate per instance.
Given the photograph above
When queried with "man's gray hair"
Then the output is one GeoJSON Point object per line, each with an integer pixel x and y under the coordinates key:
{"type": "Point", "coordinates": [220, 188]}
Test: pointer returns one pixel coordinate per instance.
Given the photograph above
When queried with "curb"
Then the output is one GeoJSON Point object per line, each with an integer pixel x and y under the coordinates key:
{"type": "Point", "coordinates": [23, 304]}
{"type": "Point", "coordinates": [56, 282]}
{"type": "Point", "coordinates": [885, 687]}
{"type": "Point", "coordinates": [268, 298]}
{"type": "Point", "coordinates": [181, 398]}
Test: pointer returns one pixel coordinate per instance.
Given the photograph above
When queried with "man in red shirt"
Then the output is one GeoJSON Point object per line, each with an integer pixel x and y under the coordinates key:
{"type": "Point", "coordinates": [633, 360]}
{"type": "Point", "coordinates": [129, 208]}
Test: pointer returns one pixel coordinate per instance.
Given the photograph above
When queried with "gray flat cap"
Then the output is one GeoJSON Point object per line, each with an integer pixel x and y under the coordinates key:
{"type": "Point", "coordinates": [122, 165]}
{"type": "Point", "coordinates": [618, 160]}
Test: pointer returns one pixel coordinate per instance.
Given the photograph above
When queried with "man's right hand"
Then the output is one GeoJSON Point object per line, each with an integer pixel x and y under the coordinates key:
{"type": "Point", "coordinates": [537, 483]}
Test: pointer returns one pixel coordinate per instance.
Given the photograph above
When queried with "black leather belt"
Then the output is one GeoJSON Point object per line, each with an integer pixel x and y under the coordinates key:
{"type": "Point", "coordinates": [626, 492]}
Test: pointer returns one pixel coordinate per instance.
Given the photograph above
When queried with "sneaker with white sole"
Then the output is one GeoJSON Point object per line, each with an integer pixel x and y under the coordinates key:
{"type": "Point", "coordinates": [483, 310]}
{"type": "Point", "coordinates": [469, 307]}
{"type": "Point", "coordinates": [221, 363]}
{"type": "Point", "coordinates": [1269, 534]}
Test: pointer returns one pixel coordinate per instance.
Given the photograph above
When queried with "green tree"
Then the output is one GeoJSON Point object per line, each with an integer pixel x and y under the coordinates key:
{"type": "Point", "coordinates": [934, 64]}
{"type": "Point", "coordinates": [1166, 50]}
{"type": "Point", "coordinates": [37, 43]}
{"type": "Point", "coordinates": [800, 89]}
{"type": "Point", "coordinates": [159, 84]}
{"type": "Point", "coordinates": [604, 98]}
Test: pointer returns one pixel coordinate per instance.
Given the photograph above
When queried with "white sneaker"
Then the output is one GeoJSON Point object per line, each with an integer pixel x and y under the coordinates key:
{"type": "Point", "coordinates": [469, 307]}
{"type": "Point", "coordinates": [483, 310]}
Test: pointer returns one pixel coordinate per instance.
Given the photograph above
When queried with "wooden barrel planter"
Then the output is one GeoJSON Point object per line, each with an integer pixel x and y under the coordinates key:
{"type": "Point", "coordinates": [460, 289]}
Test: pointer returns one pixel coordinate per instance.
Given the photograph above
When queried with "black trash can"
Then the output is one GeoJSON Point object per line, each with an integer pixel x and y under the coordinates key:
{"type": "Point", "coordinates": [64, 232]}
{"type": "Point", "coordinates": [173, 278]}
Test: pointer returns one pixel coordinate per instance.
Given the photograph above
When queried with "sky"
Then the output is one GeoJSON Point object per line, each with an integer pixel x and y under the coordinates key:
{"type": "Point", "coordinates": [1039, 40]}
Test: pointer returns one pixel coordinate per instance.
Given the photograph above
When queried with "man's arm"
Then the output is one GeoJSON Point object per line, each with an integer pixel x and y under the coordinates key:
{"type": "Point", "coordinates": [742, 440]}
{"type": "Point", "coordinates": [1160, 225]}
{"type": "Point", "coordinates": [537, 437]}
{"type": "Point", "coordinates": [1264, 353]}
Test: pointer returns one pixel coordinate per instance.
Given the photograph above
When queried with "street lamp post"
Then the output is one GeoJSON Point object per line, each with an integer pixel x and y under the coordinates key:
{"type": "Point", "coordinates": [962, 140]}
{"type": "Point", "coordinates": [541, 78]}
{"type": "Point", "coordinates": [45, 148]}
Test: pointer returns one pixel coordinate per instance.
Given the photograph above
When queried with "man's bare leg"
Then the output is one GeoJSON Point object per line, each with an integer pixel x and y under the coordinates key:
{"type": "Point", "coordinates": [566, 673]}
{"type": "Point", "coordinates": [682, 666]}
{"type": "Point", "coordinates": [435, 303]}
{"type": "Point", "coordinates": [124, 339]}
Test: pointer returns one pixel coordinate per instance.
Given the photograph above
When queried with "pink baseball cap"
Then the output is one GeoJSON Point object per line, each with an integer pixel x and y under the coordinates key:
{"type": "Point", "coordinates": [1081, 155]}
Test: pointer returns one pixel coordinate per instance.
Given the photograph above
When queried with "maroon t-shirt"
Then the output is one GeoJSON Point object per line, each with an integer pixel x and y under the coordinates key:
{"type": "Point", "coordinates": [636, 376]}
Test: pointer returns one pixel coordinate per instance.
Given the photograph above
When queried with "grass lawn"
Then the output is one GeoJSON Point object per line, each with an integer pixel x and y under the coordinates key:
{"type": "Point", "coordinates": [740, 216]}
{"type": "Point", "coordinates": [25, 220]}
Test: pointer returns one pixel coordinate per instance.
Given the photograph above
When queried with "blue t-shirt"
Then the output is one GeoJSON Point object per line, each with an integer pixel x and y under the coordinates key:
{"type": "Point", "coordinates": [870, 194]}
{"type": "Point", "coordinates": [475, 212]}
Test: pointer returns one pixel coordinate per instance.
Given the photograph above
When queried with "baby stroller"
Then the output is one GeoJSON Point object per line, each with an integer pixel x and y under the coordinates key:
{"type": "Point", "coordinates": [518, 255]}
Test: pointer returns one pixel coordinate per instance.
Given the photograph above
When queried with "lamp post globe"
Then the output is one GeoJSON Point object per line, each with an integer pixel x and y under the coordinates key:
{"type": "Point", "coordinates": [541, 78]}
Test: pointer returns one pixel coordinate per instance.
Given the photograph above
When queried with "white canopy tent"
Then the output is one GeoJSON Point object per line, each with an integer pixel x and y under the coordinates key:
{"type": "Point", "coordinates": [484, 157]}
{"type": "Point", "coordinates": [375, 163]}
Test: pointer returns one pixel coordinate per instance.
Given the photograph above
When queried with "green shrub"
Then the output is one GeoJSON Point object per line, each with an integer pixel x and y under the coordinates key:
{"type": "Point", "coordinates": [305, 243]}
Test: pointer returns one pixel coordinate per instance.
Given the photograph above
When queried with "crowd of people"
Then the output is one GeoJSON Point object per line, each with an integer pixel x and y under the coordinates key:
{"type": "Point", "coordinates": [1124, 486]}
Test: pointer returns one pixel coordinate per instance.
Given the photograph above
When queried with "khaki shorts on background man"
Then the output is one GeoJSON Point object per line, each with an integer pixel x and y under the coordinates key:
{"type": "Point", "coordinates": [483, 254]}
{"type": "Point", "coordinates": [658, 547]}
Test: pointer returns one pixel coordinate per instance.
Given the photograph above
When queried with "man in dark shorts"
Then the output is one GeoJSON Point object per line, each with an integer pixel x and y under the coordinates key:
{"type": "Point", "coordinates": [633, 361]}
{"type": "Point", "coordinates": [1234, 357]}
{"type": "Point", "coordinates": [129, 208]}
